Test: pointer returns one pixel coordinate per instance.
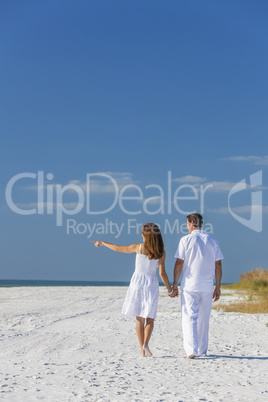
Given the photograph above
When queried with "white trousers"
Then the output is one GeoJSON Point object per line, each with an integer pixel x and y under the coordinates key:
{"type": "Point", "coordinates": [195, 313]}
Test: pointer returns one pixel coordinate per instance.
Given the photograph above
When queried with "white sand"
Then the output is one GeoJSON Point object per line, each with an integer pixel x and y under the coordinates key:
{"type": "Point", "coordinates": [73, 344]}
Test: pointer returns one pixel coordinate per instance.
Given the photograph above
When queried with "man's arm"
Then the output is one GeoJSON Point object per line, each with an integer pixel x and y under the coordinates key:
{"type": "Point", "coordinates": [218, 275]}
{"type": "Point", "coordinates": [177, 273]}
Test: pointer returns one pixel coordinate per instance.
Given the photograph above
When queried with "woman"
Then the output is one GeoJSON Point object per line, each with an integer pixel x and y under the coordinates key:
{"type": "Point", "coordinates": [143, 292]}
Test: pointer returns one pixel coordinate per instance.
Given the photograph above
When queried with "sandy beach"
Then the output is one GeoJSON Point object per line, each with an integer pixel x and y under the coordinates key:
{"type": "Point", "coordinates": [73, 344]}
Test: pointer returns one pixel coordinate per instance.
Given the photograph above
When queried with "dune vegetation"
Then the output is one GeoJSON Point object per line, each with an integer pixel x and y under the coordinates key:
{"type": "Point", "coordinates": [253, 285]}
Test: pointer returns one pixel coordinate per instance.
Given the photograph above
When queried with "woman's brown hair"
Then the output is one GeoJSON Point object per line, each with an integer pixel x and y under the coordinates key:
{"type": "Point", "coordinates": [153, 241]}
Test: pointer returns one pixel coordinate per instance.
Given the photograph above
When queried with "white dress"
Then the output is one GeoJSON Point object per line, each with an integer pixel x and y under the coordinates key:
{"type": "Point", "coordinates": [143, 292]}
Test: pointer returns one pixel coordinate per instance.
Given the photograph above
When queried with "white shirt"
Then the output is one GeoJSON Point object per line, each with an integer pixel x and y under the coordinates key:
{"type": "Point", "coordinates": [199, 252]}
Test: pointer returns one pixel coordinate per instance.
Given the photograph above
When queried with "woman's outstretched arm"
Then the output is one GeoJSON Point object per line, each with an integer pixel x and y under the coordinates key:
{"type": "Point", "coordinates": [133, 248]}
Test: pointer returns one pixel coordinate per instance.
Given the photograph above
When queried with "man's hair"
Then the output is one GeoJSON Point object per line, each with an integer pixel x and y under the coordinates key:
{"type": "Point", "coordinates": [197, 218]}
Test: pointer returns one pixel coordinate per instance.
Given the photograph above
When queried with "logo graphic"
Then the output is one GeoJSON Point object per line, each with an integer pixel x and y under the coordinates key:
{"type": "Point", "coordinates": [255, 220]}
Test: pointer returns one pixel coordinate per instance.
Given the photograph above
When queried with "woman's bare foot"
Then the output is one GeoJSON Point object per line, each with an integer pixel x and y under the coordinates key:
{"type": "Point", "coordinates": [147, 351]}
{"type": "Point", "coordinates": [191, 357]}
{"type": "Point", "coordinates": [142, 353]}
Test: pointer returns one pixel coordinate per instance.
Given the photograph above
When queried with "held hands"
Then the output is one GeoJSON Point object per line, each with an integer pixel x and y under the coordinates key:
{"type": "Point", "coordinates": [97, 243]}
{"type": "Point", "coordinates": [175, 291]}
{"type": "Point", "coordinates": [173, 294]}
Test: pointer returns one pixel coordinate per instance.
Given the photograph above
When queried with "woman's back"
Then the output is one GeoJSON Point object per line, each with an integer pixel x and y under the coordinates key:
{"type": "Point", "coordinates": [144, 265]}
{"type": "Point", "coordinates": [143, 292]}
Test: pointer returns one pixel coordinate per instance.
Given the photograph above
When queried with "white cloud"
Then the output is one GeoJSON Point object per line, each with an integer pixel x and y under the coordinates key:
{"type": "Point", "coordinates": [256, 160]}
{"type": "Point", "coordinates": [220, 186]}
{"type": "Point", "coordinates": [151, 200]}
{"type": "Point", "coordinates": [97, 185]}
{"type": "Point", "coordinates": [211, 186]}
{"type": "Point", "coordinates": [106, 184]}
{"type": "Point", "coordinates": [190, 179]}
{"type": "Point", "coordinates": [41, 186]}
{"type": "Point", "coordinates": [49, 205]}
{"type": "Point", "coordinates": [241, 209]}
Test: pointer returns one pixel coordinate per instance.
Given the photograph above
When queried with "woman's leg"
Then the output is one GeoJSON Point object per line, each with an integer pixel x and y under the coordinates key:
{"type": "Point", "coordinates": [140, 321]}
{"type": "Point", "coordinates": [147, 335]}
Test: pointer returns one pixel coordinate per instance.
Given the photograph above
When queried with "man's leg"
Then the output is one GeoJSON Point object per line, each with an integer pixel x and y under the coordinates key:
{"type": "Point", "coordinates": [203, 321]}
{"type": "Point", "coordinates": [189, 315]}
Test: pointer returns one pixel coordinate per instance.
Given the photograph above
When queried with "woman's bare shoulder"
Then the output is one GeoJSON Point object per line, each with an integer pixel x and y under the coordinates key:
{"type": "Point", "coordinates": [143, 249]}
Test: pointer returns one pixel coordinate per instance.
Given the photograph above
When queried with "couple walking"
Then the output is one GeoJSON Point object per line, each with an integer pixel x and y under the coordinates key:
{"type": "Point", "coordinates": [198, 258]}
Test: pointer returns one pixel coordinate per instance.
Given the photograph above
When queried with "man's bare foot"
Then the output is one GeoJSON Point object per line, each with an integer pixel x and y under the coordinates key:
{"type": "Point", "coordinates": [147, 351]}
{"type": "Point", "coordinates": [191, 357]}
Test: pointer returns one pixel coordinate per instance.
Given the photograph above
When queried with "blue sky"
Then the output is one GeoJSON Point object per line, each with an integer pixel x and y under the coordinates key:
{"type": "Point", "coordinates": [135, 89]}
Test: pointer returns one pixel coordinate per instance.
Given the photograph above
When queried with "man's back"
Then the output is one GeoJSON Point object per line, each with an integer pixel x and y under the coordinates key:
{"type": "Point", "coordinates": [199, 252]}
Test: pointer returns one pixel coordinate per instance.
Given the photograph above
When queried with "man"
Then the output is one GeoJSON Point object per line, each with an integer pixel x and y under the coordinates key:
{"type": "Point", "coordinates": [200, 257]}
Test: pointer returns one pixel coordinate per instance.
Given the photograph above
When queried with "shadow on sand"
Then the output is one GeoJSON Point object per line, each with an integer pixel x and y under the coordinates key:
{"type": "Point", "coordinates": [213, 357]}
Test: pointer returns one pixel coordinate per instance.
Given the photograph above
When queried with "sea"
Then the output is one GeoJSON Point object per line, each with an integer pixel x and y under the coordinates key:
{"type": "Point", "coordinates": [11, 283]}
{"type": "Point", "coordinates": [4, 283]}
